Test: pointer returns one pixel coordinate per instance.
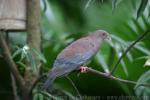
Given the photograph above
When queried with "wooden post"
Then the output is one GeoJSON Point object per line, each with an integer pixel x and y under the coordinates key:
{"type": "Point", "coordinates": [13, 14]}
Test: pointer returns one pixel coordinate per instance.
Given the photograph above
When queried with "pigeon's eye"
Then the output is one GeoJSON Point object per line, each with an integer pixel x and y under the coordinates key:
{"type": "Point", "coordinates": [103, 34]}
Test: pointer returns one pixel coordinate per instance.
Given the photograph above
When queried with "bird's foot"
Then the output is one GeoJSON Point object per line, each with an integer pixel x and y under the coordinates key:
{"type": "Point", "coordinates": [84, 69]}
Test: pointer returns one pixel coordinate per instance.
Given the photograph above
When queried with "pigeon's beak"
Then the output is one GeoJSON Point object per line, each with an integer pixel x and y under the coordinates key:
{"type": "Point", "coordinates": [108, 38]}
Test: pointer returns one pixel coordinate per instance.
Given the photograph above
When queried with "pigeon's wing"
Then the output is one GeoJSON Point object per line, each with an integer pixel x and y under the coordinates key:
{"type": "Point", "coordinates": [77, 53]}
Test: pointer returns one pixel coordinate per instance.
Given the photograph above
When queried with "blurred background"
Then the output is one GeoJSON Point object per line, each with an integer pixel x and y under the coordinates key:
{"type": "Point", "coordinates": [64, 21]}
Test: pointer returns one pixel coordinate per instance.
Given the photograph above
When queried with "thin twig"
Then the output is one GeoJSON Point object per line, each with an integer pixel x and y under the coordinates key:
{"type": "Point", "coordinates": [14, 88]}
{"type": "Point", "coordinates": [127, 50]}
{"type": "Point", "coordinates": [115, 78]}
{"type": "Point", "coordinates": [74, 86]}
{"type": "Point", "coordinates": [13, 81]}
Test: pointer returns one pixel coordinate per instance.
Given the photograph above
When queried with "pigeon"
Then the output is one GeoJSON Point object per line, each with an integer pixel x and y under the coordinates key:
{"type": "Point", "coordinates": [76, 55]}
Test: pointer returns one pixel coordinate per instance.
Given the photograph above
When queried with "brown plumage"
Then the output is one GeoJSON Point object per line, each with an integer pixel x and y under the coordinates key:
{"type": "Point", "coordinates": [75, 55]}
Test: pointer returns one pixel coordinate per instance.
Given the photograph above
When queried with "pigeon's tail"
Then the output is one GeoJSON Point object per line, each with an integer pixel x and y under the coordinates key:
{"type": "Point", "coordinates": [48, 82]}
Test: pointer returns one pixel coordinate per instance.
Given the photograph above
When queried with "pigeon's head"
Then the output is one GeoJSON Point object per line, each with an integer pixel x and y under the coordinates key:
{"type": "Point", "coordinates": [101, 34]}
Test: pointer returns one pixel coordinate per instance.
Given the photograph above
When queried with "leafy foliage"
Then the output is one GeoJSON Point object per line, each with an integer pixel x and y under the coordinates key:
{"type": "Point", "coordinates": [64, 21]}
{"type": "Point", "coordinates": [141, 90]}
{"type": "Point", "coordinates": [142, 7]}
{"type": "Point", "coordinates": [124, 29]}
{"type": "Point", "coordinates": [26, 53]}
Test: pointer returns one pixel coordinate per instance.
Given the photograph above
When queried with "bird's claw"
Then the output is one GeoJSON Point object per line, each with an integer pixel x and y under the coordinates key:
{"type": "Point", "coordinates": [83, 69]}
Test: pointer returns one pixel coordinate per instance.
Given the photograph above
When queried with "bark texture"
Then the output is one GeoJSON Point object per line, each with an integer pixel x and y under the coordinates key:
{"type": "Point", "coordinates": [33, 39]}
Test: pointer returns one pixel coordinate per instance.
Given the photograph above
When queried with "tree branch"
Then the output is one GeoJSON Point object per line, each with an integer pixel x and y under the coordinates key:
{"type": "Point", "coordinates": [14, 88]}
{"type": "Point", "coordinates": [115, 78]}
{"type": "Point", "coordinates": [33, 39]}
{"type": "Point", "coordinates": [12, 66]}
{"type": "Point", "coordinates": [127, 50]}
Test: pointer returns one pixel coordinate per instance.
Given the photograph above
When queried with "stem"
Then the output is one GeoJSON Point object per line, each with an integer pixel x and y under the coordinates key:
{"type": "Point", "coordinates": [115, 78]}
{"type": "Point", "coordinates": [127, 50]}
{"type": "Point", "coordinates": [74, 86]}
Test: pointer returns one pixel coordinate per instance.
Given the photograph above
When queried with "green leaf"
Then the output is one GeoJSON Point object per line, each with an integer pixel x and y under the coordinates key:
{"type": "Point", "coordinates": [88, 3]}
{"type": "Point", "coordinates": [142, 49]}
{"type": "Point", "coordinates": [30, 59]}
{"type": "Point", "coordinates": [118, 39]}
{"type": "Point", "coordinates": [47, 98]}
{"type": "Point", "coordinates": [114, 4]}
{"type": "Point", "coordinates": [143, 57]}
{"type": "Point", "coordinates": [49, 95]}
{"type": "Point", "coordinates": [17, 52]}
{"type": "Point", "coordinates": [141, 8]}
{"type": "Point", "coordinates": [40, 55]}
{"type": "Point", "coordinates": [137, 46]}
{"type": "Point", "coordinates": [147, 63]}
{"type": "Point", "coordinates": [102, 61]}
{"type": "Point", "coordinates": [118, 50]}
{"type": "Point", "coordinates": [22, 56]}
{"type": "Point", "coordinates": [72, 97]}
{"type": "Point", "coordinates": [149, 11]}
{"type": "Point", "coordinates": [129, 55]}
{"type": "Point", "coordinates": [144, 78]}
{"type": "Point", "coordinates": [35, 97]}
{"type": "Point", "coordinates": [21, 64]}
{"type": "Point", "coordinates": [41, 97]}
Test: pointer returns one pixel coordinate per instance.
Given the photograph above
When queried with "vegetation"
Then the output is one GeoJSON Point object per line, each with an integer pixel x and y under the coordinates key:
{"type": "Point", "coordinates": [64, 21]}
